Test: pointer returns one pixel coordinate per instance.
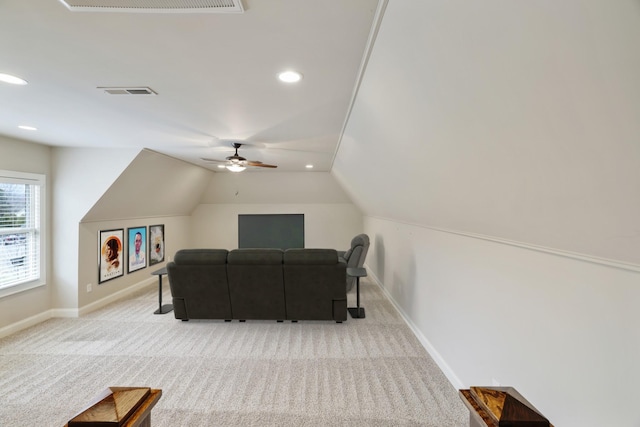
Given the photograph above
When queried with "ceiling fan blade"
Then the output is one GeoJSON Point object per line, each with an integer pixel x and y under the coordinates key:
{"type": "Point", "coordinates": [260, 164]}
{"type": "Point", "coordinates": [215, 160]}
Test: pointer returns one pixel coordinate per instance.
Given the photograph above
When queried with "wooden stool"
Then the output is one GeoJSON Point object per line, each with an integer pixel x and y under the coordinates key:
{"type": "Point", "coordinates": [119, 406]}
{"type": "Point", "coordinates": [500, 406]}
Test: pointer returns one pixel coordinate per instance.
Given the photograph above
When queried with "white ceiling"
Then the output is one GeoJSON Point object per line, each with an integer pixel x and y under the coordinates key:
{"type": "Point", "coordinates": [214, 74]}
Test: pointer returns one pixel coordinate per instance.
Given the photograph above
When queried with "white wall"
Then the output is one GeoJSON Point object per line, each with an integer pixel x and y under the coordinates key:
{"type": "Point", "coordinates": [561, 330]}
{"type": "Point", "coordinates": [22, 156]}
{"type": "Point", "coordinates": [270, 187]}
{"type": "Point", "coordinates": [326, 226]}
{"type": "Point", "coordinates": [177, 232]}
{"type": "Point", "coordinates": [513, 127]}
{"type": "Point", "coordinates": [152, 184]}
{"type": "Point", "coordinates": [511, 119]}
{"type": "Point", "coordinates": [152, 189]}
{"type": "Point", "coordinates": [331, 219]}
{"type": "Point", "coordinates": [80, 177]}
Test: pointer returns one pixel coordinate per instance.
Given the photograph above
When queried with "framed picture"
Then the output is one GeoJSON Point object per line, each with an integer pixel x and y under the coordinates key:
{"type": "Point", "coordinates": [136, 248]}
{"type": "Point", "coordinates": [156, 244]}
{"type": "Point", "coordinates": [111, 247]}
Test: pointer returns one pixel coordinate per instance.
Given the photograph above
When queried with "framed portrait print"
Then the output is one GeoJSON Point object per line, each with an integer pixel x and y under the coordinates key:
{"type": "Point", "coordinates": [136, 248]}
{"type": "Point", "coordinates": [111, 248]}
{"type": "Point", "coordinates": [156, 244]}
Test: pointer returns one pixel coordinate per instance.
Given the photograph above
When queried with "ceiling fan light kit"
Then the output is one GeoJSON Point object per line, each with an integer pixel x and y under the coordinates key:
{"type": "Point", "coordinates": [237, 163]}
{"type": "Point", "coordinates": [236, 168]}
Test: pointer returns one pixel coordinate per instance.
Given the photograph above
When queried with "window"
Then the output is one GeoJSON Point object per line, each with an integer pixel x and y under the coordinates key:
{"type": "Point", "coordinates": [21, 235]}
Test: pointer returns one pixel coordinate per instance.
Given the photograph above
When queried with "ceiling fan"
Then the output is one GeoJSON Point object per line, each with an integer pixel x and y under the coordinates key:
{"type": "Point", "coordinates": [237, 163]}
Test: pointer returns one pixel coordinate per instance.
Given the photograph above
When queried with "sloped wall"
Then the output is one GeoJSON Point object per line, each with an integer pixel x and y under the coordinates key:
{"type": "Point", "coordinates": [512, 120]}
{"type": "Point", "coordinates": [80, 177]}
{"type": "Point", "coordinates": [152, 185]}
{"type": "Point", "coordinates": [493, 149]}
{"type": "Point", "coordinates": [152, 189]}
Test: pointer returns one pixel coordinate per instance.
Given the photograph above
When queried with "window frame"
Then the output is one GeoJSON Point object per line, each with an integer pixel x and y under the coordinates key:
{"type": "Point", "coordinates": [14, 177]}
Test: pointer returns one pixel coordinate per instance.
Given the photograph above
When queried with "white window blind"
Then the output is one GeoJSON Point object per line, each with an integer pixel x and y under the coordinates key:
{"type": "Point", "coordinates": [20, 229]}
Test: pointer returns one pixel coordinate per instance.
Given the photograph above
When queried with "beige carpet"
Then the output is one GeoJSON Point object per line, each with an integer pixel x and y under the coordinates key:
{"type": "Point", "coordinates": [371, 371]}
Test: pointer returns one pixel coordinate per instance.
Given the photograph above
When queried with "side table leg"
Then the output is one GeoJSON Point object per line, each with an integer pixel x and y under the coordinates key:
{"type": "Point", "coordinates": [160, 292]}
{"type": "Point", "coordinates": [162, 309]}
{"type": "Point", "coordinates": [357, 312]}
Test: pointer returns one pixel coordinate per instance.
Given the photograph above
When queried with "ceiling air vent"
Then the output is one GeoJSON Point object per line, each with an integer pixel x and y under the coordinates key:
{"type": "Point", "coordinates": [163, 6]}
{"type": "Point", "coordinates": [128, 90]}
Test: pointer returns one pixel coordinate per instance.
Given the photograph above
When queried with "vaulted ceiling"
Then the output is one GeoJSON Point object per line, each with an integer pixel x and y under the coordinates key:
{"type": "Point", "coordinates": [214, 76]}
{"type": "Point", "coordinates": [517, 120]}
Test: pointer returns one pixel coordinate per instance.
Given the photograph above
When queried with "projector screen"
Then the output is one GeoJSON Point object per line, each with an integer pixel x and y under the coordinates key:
{"type": "Point", "coordinates": [282, 231]}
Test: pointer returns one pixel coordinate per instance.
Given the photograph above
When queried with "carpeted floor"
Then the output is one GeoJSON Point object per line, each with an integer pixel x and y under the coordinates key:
{"type": "Point", "coordinates": [371, 372]}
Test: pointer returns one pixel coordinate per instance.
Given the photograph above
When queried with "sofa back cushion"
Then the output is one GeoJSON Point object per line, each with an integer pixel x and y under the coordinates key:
{"type": "Point", "coordinates": [255, 257]}
{"type": "Point", "coordinates": [201, 256]}
{"type": "Point", "coordinates": [314, 284]}
{"type": "Point", "coordinates": [256, 284]}
{"type": "Point", "coordinates": [311, 256]}
{"type": "Point", "coordinates": [198, 281]}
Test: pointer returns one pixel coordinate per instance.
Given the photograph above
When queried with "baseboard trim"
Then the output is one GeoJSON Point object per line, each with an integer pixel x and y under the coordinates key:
{"type": "Point", "coordinates": [26, 323]}
{"type": "Point", "coordinates": [444, 367]}
{"type": "Point", "coordinates": [64, 312]}
{"type": "Point", "coordinates": [115, 296]}
{"type": "Point", "coordinates": [74, 312]}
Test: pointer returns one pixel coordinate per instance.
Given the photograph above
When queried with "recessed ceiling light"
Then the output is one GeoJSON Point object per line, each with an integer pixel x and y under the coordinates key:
{"type": "Point", "coordinates": [27, 127]}
{"type": "Point", "coordinates": [290, 76]}
{"type": "Point", "coordinates": [8, 78]}
{"type": "Point", "coordinates": [309, 166]}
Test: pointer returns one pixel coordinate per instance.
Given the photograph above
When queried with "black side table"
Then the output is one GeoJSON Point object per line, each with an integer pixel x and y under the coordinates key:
{"type": "Point", "coordinates": [163, 309]}
{"type": "Point", "coordinates": [357, 312]}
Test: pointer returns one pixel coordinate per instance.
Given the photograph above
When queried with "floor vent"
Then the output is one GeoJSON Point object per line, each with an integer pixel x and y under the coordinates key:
{"type": "Point", "coordinates": [128, 90]}
{"type": "Point", "coordinates": [163, 6]}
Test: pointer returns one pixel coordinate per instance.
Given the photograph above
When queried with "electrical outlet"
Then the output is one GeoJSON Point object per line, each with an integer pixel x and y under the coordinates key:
{"type": "Point", "coordinates": [89, 287]}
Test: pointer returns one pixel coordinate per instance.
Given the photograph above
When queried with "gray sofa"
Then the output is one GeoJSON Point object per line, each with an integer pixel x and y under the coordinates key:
{"type": "Point", "coordinates": [268, 284]}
